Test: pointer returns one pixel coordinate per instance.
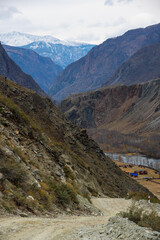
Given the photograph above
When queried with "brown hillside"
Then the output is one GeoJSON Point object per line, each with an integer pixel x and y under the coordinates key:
{"type": "Point", "coordinates": [123, 115]}
{"type": "Point", "coordinates": [45, 161]}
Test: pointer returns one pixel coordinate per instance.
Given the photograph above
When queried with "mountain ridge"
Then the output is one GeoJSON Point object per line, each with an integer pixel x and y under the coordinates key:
{"type": "Point", "coordinates": [9, 69]}
{"type": "Point", "coordinates": [18, 39]}
{"type": "Point", "coordinates": [42, 69]}
{"type": "Point", "coordinates": [93, 70]}
{"type": "Point", "coordinates": [141, 67]}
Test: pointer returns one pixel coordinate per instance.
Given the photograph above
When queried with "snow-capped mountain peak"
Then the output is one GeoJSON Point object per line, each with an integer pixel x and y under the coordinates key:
{"type": "Point", "coordinates": [20, 39]}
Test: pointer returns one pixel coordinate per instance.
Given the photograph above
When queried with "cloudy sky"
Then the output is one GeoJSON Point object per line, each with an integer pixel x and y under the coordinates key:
{"type": "Point", "coordinates": [78, 20]}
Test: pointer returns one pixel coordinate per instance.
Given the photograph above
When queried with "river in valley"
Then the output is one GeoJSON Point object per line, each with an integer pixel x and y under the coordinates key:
{"type": "Point", "coordinates": [136, 159]}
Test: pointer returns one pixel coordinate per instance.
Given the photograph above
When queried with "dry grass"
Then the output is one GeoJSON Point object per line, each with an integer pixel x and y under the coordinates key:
{"type": "Point", "coordinates": [153, 185]}
{"type": "Point", "coordinates": [149, 220]}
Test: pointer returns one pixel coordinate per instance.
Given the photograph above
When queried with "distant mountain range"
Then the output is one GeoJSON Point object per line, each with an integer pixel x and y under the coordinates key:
{"type": "Point", "coordinates": [18, 39]}
{"type": "Point", "coordinates": [42, 69]}
{"type": "Point", "coordinates": [63, 55]}
{"type": "Point", "coordinates": [97, 67]}
{"type": "Point", "coordinates": [10, 70]}
{"type": "Point", "coordinates": [123, 117]}
{"type": "Point", "coordinates": [61, 52]}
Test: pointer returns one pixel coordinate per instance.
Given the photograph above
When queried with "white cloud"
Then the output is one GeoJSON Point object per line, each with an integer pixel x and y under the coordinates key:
{"type": "Point", "coordinates": [8, 12]}
{"type": "Point", "coordinates": [112, 2]}
{"type": "Point", "coordinates": [87, 20]}
{"type": "Point", "coordinates": [109, 2]}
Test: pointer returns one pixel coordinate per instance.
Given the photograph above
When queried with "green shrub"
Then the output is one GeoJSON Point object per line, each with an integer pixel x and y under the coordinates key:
{"type": "Point", "coordinates": [21, 154]}
{"type": "Point", "coordinates": [68, 173]}
{"type": "Point", "coordinates": [19, 115]}
{"type": "Point", "coordinates": [151, 220]}
{"type": "Point", "coordinates": [92, 191]}
{"type": "Point", "coordinates": [13, 172]}
{"type": "Point", "coordinates": [137, 215]}
{"type": "Point", "coordinates": [142, 195]}
{"type": "Point", "coordinates": [65, 194]}
{"type": "Point", "coordinates": [1, 109]}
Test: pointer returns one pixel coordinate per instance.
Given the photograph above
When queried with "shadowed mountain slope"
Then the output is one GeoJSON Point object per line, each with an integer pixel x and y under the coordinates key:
{"type": "Point", "coordinates": [12, 71]}
{"type": "Point", "coordinates": [141, 67]}
{"type": "Point", "coordinates": [95, 69]}
{"type": "Point", "coordinates": [42, 69]}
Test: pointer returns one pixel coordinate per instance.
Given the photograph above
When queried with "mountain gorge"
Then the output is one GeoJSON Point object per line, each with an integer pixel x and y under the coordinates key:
{"type": "Point", "coordinates": [9, 69]}
{"type": "Point", "coordinates": [96, 68]}
{"type": "Point", "coordinates": [121, 118]}
{"type": "Point", "coordinates": [47, 163]}
{"type": "Point", "coordinates": [42, 69]}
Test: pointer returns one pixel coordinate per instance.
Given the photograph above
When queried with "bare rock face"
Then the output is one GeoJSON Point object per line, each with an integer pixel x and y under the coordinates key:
{"type": "Point", "coordinates": [96, 68]}
{"type": "Point", "coordinates": [46, 157]}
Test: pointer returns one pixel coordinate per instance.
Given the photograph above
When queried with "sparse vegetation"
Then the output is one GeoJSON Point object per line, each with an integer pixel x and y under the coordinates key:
{"type": "Point", "coordinates": [19, 115]}
{"type": "Point", "coordinates": [68, 173]}
{"type": "Point", "coordinates": [21, 154]}
{"type": "Point", "coordinates": [142, 195]}
{"type": "Point", "coordinates": [65, 194]}
{"type": "Point", "coordinates": [13, 172]}
{"type": "Point", "coordinates": [138, 215]}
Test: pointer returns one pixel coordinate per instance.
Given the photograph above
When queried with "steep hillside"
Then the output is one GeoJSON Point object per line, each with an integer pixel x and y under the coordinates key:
{"type": "Point", "coordinates": [45, 161]}
{"type": "Point", "coordinates": [141, 67]}
{"type": "Point", "coordinates": [61, 54]}
{"type": "Point", "coordinates": [42, 69]}
{"type": "Point", "coordinates": [125, 118]}
{"type": "Point", "coordinates": [95, 69]}
{"type": "Point", "coordinates": [9, 69]}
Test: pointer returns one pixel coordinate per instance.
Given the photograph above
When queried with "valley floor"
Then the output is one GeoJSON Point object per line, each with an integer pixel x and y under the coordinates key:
{"type": "Point", "coordinates": [62, 227]}
{"type": "Point", "coordinates": [151, 180]}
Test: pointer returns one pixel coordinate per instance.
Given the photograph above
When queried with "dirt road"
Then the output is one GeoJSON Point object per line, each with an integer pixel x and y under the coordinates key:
{"type": "Point", "coordinates": [36, 228]}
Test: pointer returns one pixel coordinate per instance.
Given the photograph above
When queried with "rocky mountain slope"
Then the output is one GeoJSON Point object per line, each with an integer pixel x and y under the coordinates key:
{"type": "Point", "coordinates": [61, 52]}
{"type": "Point", "coordinates": [95, 69]}
{"type": "Point", "coordinates": [42, 69]}
{"type": "Point", "coordinates": [141, 67]}
{"type": "Point", "coordinates": [45, 161]}
{"type": "Point", "coordinates": [9, 69]}
{"type": "Point", "coordinates": [124, 118]}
